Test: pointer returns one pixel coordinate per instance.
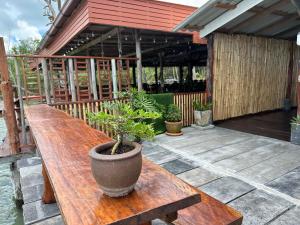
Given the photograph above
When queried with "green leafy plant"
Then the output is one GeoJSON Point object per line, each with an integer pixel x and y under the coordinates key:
{"type": "Point", "coordinates": [198, 106]}
{"type": "Point", "coordinates": [125, 121]}
{"type": "Point", "coordinates": [173, 114]}
{"type": "Point", "coordinates": [295, 120]}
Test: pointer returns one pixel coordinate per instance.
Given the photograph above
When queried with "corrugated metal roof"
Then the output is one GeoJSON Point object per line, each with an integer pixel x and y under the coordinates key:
{"type": "Point", "coordinates": [273, 18]}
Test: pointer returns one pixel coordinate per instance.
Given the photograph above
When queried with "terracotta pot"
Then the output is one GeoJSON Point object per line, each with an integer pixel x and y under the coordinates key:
{"type": "Point", "coordinates": [295, 133]}
{"type": "Point", "coordinates": [202, 118]}
{"type": "Point", "coordinates": [116, 174]}
{"type": "Point", "coordinates": [173, 127]}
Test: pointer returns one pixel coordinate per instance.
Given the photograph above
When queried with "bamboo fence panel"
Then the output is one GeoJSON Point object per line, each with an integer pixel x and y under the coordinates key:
{"type": "Point", "coordinates": [80, 109]}
{"type": "Point", "coordinates": [185, 103]}
{"type": "Point", "coordinates": [296, 58]}
{"type": "Point", "coordinates": [249, 74]}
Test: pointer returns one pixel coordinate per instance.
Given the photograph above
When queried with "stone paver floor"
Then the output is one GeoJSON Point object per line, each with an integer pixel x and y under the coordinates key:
{"type": "Point", "coordinates": [256, 175]}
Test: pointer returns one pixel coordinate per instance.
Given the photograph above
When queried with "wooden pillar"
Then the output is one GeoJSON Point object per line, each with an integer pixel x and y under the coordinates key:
{"type": "Point", "coordinates": [46, 81]}
{"type": "Point", "coordinates": [298, 90]}
{"type": "Point", "coordinates": [180, 74]}
{"type": "Point", "coordinates": [190, 73]}
{"type": "Point", "coordinates": [134, 75]}
{"type": "Point", "coordinates": [290, 73]}
{"type": "Point", "coordinates": [93, 79]}
{"type": "Point", "coordinates": [156, 75]}
{"type": "Point", "coordinates": [161, 72]}
{"type": "Point", "coordinates": [8, 100]}
{"type": "Point", "coordinates": [139, 60]}
{"type": "Point", "coordinates": [72, 81]}
{"type": "Point", "coordinates": [20, 95]}
{"type": "Point", "coordinates": [114, 78]}
{"type": "Point", "coordinates": [210, 64]}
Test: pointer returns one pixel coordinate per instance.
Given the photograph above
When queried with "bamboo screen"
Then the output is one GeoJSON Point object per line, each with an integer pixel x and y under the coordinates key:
{"type": "Point", "coordinates": [296, 51]}
{"type": "Point", "coordinates": [249, 74]}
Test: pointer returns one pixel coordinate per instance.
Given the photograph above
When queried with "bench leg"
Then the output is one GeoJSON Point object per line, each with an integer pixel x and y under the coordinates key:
{"type": "Point", "coordinates": [48, 196]}
{"type": "Point", "coordinates": [148, 223]}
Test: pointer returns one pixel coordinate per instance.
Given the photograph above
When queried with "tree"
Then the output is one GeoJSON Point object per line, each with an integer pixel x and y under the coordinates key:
{"type": "Point", "coordinates": [25, 47]}
{"type": "Point", "coordinates": [50, 9]}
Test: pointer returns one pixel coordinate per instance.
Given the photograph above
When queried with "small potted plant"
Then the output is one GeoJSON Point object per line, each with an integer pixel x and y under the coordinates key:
{"type": "Point", "coordinates": [295, 130]}
{"type": "Point", "coordinates": [173, 120]}
{"type": "Point", "coordinates": [202, 113]}
{"type": "Point", "coordinates": [117, 165]}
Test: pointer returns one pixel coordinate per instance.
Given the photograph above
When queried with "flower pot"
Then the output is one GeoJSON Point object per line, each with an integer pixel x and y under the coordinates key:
{"type": "Point", "coordinates": [203, 118]}
{"type": "Point", "coordinates": [295, 133]}
{"type": "Point", "coordinates": [116, 174]}
{"type": "Point", "coordinates": [173, 128]}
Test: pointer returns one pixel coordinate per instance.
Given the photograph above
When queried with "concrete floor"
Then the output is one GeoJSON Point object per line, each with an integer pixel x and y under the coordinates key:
{"type": "Point", "coordinates": [256, 175]}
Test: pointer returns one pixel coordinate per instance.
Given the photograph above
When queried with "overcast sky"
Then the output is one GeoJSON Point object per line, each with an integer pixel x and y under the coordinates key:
{"type": "Point", "coordinates": [22, 19]}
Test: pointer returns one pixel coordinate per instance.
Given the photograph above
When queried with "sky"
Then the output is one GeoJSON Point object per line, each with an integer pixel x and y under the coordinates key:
{"type": "Point", "coordinates": [22, 19]}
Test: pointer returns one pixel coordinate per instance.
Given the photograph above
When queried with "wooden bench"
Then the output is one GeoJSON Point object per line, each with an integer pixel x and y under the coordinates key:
{"type": "Point", "coordinates": [64, 143]}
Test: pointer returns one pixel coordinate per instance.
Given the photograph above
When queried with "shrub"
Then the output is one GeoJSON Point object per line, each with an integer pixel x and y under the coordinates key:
{"type": "Point", "coordinates": [295, 120]}
{"type": "Point", "coordinates": [173, 114]}
{"type": "Point", "coordinates": [125, 121]}
{"type": "Point", "coordinates": [198, 106]}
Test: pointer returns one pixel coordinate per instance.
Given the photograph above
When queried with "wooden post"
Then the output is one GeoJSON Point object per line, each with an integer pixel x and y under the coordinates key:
{"type": "Point", "coordinates": [72, 81]}
{"type": "Point", "coordinates": [46, 81]}
{"type": "Point", "coordinates": [298, 89]}
{"type": "Point", "coordinates": [161, 71]}
{"type": "Point", "coordinates": [8, 100]}
{"type": "Point", "coordinates": [180, 74]}
{"type": "Point", "coordinates": [290, 76]}
{"type": "Point", "coordinates": [134, 75]}
{"type": "Point", "coordinates": [93, 80]}
{"type": "Point", "coordinates": [156, 75]}
{"type": "Point", "coordinates": [210, 64]}
{"type": "Point", "coordinates": [18, 79]}
{"type": "Point", "coordinates": [139, 60]}
{"type": "Point", "coordinates": [114, 78]}
{"type": "Point", "coordinates": [190, 73]}
{"type": "Point", "coordinates": [48, 195]}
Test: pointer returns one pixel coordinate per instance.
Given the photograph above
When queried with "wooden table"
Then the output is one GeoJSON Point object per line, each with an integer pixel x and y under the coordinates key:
{"type": "Point", "coordinates": [64, 143]}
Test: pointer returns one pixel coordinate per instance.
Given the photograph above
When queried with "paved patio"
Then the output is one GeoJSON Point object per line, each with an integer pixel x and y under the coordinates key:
{"type": "Point", "coordinates": [256, 175]}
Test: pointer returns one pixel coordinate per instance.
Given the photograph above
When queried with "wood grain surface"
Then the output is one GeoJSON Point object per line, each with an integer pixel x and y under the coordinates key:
{"type": "Point", "coordinates": [64, 143]}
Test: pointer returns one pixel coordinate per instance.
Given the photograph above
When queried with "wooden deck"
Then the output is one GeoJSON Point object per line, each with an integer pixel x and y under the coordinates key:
{"type": "Point", "coordinates": [275, 124]}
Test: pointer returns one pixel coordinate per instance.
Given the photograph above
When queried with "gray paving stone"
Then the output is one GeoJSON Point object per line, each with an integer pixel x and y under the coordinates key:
{"type": "Point", "coordinates": [56, 220]}
{"type": "Point", "coordinates": [28, 162]}
{"type": "Point", "coordinates": [250, 158]}
{"type": "Point", "coordinates": [259, 207]}
{"type": "Point", "coordinates": [37, 211]}
{"type": "Point", "coordinates": [273, 168]}
{"type": "Point", "coordinates": [290, 217]}
{"type": "Point", "coordinates": [229, 151]}
{"type": "Point", "coordinates": [226, 189]}
{"type": "Point", "coordinates": [27, 171]}
{"type": "Point", "coordinates": [161, 155]}
{"type": "Point", "coordinates": [288, 183]}
{"type": "Point", "coordinates": [197, 177]}
{"type": "Point", "coordinates": [178, 166]}
{"type": "Point", "coordinates": [32, 193]}
{"type": "Point", "coordinates": [31, 176]}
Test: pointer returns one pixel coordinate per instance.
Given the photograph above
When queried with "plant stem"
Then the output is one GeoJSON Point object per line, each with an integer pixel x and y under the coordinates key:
{"type": "Point", "coordinates": [119, 141]}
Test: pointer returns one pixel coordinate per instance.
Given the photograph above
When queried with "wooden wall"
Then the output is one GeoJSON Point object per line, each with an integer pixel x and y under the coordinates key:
{"type": "Point", "coordinates": [249, 74]}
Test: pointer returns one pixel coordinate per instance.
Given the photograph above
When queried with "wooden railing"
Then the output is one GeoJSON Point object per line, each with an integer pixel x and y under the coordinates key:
{"type": "Point", "coordinates": [185, 103]}
{"type": "Point", "coordinates": [80, 109]}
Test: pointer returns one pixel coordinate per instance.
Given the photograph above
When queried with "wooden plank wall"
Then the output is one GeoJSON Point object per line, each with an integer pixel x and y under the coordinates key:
{"type": "Point", "coordinates": [79, 109]}
{"type": "Point", "coordinates": [250, 74]}
{"type": "Point", "coordinates": [143, 14]}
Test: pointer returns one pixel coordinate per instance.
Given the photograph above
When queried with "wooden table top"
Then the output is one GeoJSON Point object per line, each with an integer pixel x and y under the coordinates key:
{"type": "Point", "coordinates": [64, 143]}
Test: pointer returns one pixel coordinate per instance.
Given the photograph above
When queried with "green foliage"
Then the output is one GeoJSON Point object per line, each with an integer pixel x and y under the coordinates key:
{"type": "Point", "coordinates": [198, 106]}
{"type": "Point", "coordinates": [27, 46]}
{"type": "Point", "coordinates": [125, 121]}
{"type": "Point", "coordinates": [296, 120]}
{"type": "Point", "coordinates": [173, 113]}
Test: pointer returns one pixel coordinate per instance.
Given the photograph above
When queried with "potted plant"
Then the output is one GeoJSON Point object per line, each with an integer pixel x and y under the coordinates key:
{"type": "Point", "coordinates": [295, 130]}
{"type": "Point", "coordinates": [202, 113]}
{"type": "Point", "coordinates": [173, 120]}
{"type": "Point", "coordinates": [117, 165]}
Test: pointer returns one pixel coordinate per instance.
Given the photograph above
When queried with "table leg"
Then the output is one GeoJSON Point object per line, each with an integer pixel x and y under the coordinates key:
{"type": "Point", "coordinates": [171, 217]}
{"type": "Point", "coordinates": [148, 223]}
{"type": "Point", "coordinates": [48, 196]}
